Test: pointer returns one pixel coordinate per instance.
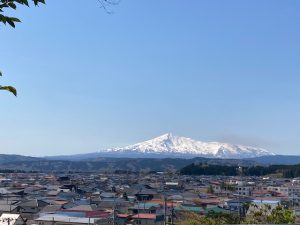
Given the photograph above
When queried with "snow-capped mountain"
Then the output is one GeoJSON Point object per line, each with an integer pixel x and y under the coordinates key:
{"type": "Point", "coordinates": [175, 146]}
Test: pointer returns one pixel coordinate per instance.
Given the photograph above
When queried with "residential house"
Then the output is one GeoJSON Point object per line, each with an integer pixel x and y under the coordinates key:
{"type": "Point", "coordinates": [148, 219]}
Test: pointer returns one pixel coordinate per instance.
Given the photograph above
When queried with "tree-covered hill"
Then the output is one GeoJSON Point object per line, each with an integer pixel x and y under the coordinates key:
{"type": "Point", "coordinates": [287, 171]}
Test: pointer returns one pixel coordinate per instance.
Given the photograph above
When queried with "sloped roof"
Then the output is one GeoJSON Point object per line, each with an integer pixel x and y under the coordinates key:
{"type": "Point", "coordinates": [7, 208]}
{"type": "Point", "coordinates": [144, 216]}
{"type": "Point", "coordinates": [146, 206]}
{"type": "Point", "coordinates": [51, 208]}
{"type": "Point", "coordinates": [146, 192]}
{"type": "Point", "coordinates": [83, 208]}
{"type": "Point", "coordinates": [8, 202]}
{"type": "Point", "coordinates": [4, 191]}
{"type": "Point", "coordinates": [32, 203]}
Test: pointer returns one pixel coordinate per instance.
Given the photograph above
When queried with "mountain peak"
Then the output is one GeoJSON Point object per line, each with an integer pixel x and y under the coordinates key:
{"type": "Point", "coordinates": [165, 136]}
{"type": "Point", "coordinates": [172, 145]}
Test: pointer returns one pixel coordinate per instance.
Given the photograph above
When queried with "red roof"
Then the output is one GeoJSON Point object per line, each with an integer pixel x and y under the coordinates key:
{"type": "Point", "coordinates": [97, 214]}
{"type": "Point", "coordinates": [215, 182]}
{"type": "Point", "coordinates": [282, 195]}
{"type": "Point", "coordinates": [122, 215]}
{"type": "Point", "coordinates": [90, 214]}
{"type": "Point", "coordinates": [261, 192]}
{"type": "Point", "coordinates": [211, 195]}
{"type": "Point", "coordinates": [144, 216]}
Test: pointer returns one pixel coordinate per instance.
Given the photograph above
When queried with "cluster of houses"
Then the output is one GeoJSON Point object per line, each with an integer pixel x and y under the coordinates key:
{"type": "Point", "coordinates": [133, 198]}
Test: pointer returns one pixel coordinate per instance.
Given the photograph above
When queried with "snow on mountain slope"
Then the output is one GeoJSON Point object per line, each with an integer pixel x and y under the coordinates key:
{"type": "Point", "coordinates": [173, 145]}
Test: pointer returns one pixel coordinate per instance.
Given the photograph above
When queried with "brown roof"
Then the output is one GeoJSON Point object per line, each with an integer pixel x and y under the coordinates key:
{"type": "Point", "coordinates": [144, 216]}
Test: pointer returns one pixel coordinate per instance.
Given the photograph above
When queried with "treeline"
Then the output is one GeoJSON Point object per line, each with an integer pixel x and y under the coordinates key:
{"type": "Point", "coordinates": [15, 171]}
{"type": "Point", "coordinates": [286, 171]}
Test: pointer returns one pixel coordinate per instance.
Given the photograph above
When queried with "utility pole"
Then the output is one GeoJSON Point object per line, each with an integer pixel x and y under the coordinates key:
{"type": "Point", "coordinates": [114, 209]}
{"type": "Point", "coordinates": [172, 214]}
{"type": "Point", "coordinates": [240, 171]}
{"type": "Point", "coordinates": [165, 210]}
{"type": "Point", "coordinates": [145, 210]}
{"type": "Point", "coordinates": [138, 210]}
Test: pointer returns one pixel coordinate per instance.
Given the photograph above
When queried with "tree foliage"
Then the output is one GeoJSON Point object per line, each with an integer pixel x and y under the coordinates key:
{"type": "Point", "coordinates": [12, 4]}
{"type": "Point", "coordinates": [209, 219]}
{"type": "Point", "coordinates": [266, 215]}
{"type": "Point", "coordinates": [6, 5]}
{"type": "Point", "coordinates": [8, 88]}
{"type": "Point", "coordinates": [262, 215]}
{"type": "Point", "coordinates": [5, 19]}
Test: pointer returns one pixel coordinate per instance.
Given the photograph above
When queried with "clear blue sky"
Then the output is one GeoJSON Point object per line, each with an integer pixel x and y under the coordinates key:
{"type": "Point", "coordinates": [211, 70]}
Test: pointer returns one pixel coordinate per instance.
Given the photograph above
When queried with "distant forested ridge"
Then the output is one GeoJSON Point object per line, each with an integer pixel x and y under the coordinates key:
{"type": "Point", "coordinates": [286, 171]}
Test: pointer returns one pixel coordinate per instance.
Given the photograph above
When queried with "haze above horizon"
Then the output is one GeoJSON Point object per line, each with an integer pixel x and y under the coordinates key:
{"type": "Point", "coordinates": [209, 70]}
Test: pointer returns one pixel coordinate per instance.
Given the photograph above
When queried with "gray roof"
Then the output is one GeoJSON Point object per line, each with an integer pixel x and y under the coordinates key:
{"type": "Point", "coordinates": [108, 194]}
{"type": "Point", "coordinates": [51, 208]}
{"type": "Point", "coordinates": [7, 208]}
{"type": "Point", "coordinates": [84, 208]}
{"type": "Point", "coordinates": [8, 202]}
{"type": "Point", "coordinates": [146, 192]}
{"type": "Point", "coordinates": [32, 203]}
{"type": "Point", "coordinates": [4, 191]}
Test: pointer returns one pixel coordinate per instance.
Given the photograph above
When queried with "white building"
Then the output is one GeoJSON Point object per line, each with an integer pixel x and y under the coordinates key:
{"type": "Point", "coordinates": [11, 219]}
